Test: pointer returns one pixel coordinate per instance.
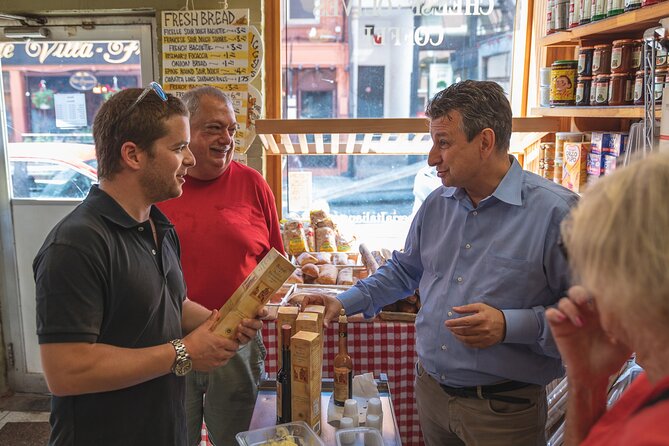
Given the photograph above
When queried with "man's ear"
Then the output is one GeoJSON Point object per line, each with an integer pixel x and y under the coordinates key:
{"type": "Point", "coordinates": [131, 155]}
{"type": "Point", "coordinates": [487, 143]}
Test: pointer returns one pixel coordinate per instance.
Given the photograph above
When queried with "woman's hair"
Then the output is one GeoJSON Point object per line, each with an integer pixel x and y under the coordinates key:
{"type": "Point", "coordinates": [617, 239]}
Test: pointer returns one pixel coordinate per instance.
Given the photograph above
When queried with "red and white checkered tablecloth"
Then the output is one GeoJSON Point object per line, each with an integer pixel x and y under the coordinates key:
{"type": "Point", "coordinates": [376, 347]}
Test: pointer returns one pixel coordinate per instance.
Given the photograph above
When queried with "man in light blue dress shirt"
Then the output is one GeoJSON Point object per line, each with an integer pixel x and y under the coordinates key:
{"type": "Point", "coordinates": [484, 252]}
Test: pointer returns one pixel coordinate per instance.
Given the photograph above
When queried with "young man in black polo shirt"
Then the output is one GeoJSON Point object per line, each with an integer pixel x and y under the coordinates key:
{"type": "Point", "coordinates": [111, 300]}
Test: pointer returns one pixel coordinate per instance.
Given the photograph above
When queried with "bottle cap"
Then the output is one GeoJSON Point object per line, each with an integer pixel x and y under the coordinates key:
{"type": "Point", "coordinates": [342, 316]}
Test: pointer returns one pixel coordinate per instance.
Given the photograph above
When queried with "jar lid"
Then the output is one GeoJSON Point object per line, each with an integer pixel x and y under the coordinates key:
{"type": "Point", "coordinates": [661, 69]}
{"type": "Point", "coordinates": [601, 77]}
{"type": "Point", "coordinates": [565, 62]}
{"type": "Point", "coordinates": [619, 74]}
{"type": "Point", "coordinates": [583, 48]}
{"type": "Point", "coordinates": [584, 78]}
{"type": "Point", "coordinates": [640, 72]}
{"type": "Point", "coordinates": [606, 45]}
{"type": "Point", "coordinates": [622, 42]}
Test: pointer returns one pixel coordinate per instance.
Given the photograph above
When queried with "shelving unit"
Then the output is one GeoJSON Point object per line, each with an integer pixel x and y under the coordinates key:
{"type": "Point", "coordinates": [562, 45]}
{"type": "Point", "coordinates": [620, 26]}
{"type": "Point", "coordinates": [624, 112]}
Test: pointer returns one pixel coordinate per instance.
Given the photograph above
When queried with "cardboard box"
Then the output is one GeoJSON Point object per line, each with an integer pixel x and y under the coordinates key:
{"type": "Point", "coordinates": [574, 171]}
{"type": "Point", "coordinates": [609, 163]}
{"type": "Point", "coordinates": [594, 164]}
{"type": "Point", "coordinates": [285, 315]}
{"type": "Point", "coordinates": [254, 292]}
{"type": "Point", "coordinates": [616, 145]}
{"type": "Point", "coordinates": [308, 322]}
{"type": "Point", "coordinates": [306, 357]}
{"type": "Point", "coordinates": [600, 141]}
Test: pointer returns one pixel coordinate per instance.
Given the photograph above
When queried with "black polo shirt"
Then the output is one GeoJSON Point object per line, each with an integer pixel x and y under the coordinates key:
{"type": "Point", "coordinates": [101, 279]}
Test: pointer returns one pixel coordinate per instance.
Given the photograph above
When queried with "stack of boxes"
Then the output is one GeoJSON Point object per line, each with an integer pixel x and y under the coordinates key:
{"type": "Point", "coordinates": [306, 353]}
{"type": "Point", "coordinates": [605, 150]}
{"type": "Point", "coordinates": [575, 162]}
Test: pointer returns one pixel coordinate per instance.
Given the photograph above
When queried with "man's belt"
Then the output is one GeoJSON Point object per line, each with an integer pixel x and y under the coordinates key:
{"type": "Point", "coordinates": [489, 392]}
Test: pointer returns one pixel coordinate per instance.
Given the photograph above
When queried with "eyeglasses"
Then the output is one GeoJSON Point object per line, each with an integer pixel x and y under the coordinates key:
{"type": "Point", "coordinates": [153, 86]}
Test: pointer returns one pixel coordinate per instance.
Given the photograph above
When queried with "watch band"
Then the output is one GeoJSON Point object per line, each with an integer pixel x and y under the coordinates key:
{"type": "Point", "coordinates": [182, 357]}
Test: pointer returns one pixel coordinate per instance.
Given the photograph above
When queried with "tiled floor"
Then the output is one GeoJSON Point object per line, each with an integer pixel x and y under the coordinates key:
{"type": "Point", "coordinates": [11, 416]}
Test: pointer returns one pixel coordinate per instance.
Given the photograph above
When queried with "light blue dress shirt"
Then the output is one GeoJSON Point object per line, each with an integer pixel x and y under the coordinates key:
{"type": "Point", "coordinates": [503, 253]}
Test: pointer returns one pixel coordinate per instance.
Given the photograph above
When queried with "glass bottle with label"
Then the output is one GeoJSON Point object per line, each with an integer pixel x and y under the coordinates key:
{"type": "Point", "coordinates": [283, 392]}
{"type": "Point", "coordinates": [343, 365]}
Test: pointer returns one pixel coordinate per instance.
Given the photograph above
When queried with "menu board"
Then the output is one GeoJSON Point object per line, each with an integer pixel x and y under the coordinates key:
{"type": "Point", "coordinates": [216, 48]}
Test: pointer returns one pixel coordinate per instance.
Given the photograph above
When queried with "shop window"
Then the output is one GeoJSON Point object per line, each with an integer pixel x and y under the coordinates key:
{"type": "Point", "coordinates": [53, 90]}
{"type": "Point", "coordinates": [303, 11]}
{"type": "Point", "coordinates": [383, 60]}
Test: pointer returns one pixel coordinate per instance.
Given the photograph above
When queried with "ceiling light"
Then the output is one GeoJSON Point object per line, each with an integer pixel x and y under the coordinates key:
{"type": "Point", "coordinates": [26, 32]}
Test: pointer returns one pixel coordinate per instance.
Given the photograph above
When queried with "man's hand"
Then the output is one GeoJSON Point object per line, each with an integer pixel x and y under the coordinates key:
{"type": "Point", "coordinates": [207, 349]}
{"type": "Point", "coordinates": [332, 306]}
{"type": "Point", "coordinates": [484, 327]}
{"type": "Point", "coordinates": [588, 351]}
{"type": "Point", "coordinates": [248, 328]}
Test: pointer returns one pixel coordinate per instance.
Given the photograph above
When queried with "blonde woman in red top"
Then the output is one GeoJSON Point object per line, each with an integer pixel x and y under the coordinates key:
{"type": "Point", "coordinates": [618, 246]}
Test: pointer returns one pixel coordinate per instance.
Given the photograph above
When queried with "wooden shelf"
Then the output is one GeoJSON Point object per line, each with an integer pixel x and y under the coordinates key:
{"type": "Point", "coordinates": [624, 112]}
{"type": "Point", "coordinates": [626, 23]}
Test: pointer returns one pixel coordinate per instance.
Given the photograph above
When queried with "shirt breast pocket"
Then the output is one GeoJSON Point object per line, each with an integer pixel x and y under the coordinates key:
{"type": "Point", "coordinates": [507, 283]}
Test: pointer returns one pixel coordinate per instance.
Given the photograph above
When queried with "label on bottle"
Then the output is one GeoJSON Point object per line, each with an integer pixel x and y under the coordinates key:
{"type": "Point", "coordinates": [629, 91]}
{"type": "Point", "coordinates": [616, 58]}
{"type": "Point", "coordinates": [602, 92]}
{"type": "Point", "coordinates": [581, 63]}
{"type": "Point", "coordinates": [343, 380]}
{"type": "Point", "coordinates": [596, 60]}
{"type": "Point", "coordinates": [638, 89]}
{"type": "Point", "coordinates": [579, 93]}
{"type": "Point", "coordinates": [636, 58]}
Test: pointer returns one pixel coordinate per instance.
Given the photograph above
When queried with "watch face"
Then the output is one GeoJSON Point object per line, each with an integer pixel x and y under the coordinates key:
{"type": "Point", "coordinates": [183, 367]}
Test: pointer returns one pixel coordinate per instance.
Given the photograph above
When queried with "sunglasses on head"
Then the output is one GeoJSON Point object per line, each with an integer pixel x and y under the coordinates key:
{"type": "Point", "coordinates": [153, 86]}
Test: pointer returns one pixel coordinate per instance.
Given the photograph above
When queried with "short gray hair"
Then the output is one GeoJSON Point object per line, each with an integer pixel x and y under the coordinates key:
{"type": "Point", "coordinates": [617, 239]}
{"type": "Point", "coordinates": [482, 105]}
{"type": "Point", "coordinates": [193, 97]}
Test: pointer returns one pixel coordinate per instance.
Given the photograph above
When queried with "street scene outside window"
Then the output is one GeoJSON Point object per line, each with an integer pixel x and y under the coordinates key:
{"type": "Point", "coordinates": [53, 89]}
{"type": "Point", "coordinates": [380, 59]}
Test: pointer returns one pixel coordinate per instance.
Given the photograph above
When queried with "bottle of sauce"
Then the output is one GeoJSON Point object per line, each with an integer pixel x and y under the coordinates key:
{"type": "Point", "coordinates": [283, 393]}
{"type": "Point", "coordinates": [343, 365]}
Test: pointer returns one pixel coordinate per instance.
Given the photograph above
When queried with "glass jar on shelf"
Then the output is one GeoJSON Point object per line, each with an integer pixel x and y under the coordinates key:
{"type": "Point", "coordinates": [637, 55]}
{"type": "Point", "coordinates": [585, 54]}
{"type": "Point", "coordinates": [601, 59]}
{"type": "Point", "coordinates": [638, 88]}
{"type": "Point", "coordinates": [660, 78]}
{"type": "Point", "coordinates": [661, 54]}
{"type": "Point", "coordinates": [621, 56]}
{"type": "Point", "coordinates": [602, 90]}
{"type": "Point", "coordinates": [619, 84]}
{"type": "Point", "coordinates": [583, 85]}
{"type": "Point", "coordinates": [614, 7]}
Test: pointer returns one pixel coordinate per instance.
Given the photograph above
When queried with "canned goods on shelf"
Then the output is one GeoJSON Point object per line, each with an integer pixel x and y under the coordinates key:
{"type": "Point", "coordinates": [563, 82]}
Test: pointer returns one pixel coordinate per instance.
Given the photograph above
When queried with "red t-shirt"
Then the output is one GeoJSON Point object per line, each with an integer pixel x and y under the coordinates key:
{"type": "Point", "coordinates": [226, 226]}
{"type": "Point", "coordinates": [628, 424]}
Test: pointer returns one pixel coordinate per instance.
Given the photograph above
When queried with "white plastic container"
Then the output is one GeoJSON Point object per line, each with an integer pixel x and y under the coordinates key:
{"type": "Point", "coordinates": [298, 431]}
{"type": "Point", "coordinates": [359, 436]}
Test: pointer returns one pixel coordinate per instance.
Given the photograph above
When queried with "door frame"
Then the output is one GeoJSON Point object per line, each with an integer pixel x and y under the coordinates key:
{"type": "Point", "coordinates": [63, 28]}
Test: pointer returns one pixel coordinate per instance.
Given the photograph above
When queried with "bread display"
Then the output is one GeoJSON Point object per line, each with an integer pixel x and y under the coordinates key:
{"type": "Point", "coordinates": [345, 276]}
{"type": "Point", "coordinates": [327, 274]}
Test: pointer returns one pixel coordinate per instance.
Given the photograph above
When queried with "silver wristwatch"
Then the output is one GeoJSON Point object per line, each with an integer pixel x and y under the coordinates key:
{"type": "Point", "coordinates": [182, 364]}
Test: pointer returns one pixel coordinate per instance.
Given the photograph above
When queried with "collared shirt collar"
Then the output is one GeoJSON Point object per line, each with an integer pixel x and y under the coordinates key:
{"type": "Point", "coordinates": [112, 211]}
{"type": "Point", "coordinates": [508, 190]}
